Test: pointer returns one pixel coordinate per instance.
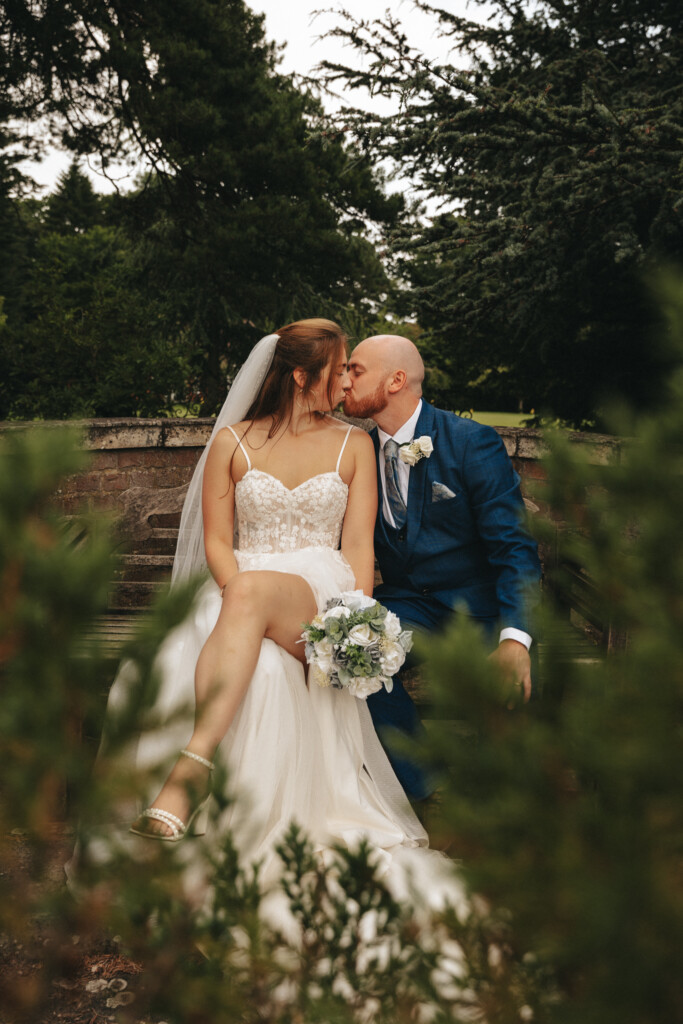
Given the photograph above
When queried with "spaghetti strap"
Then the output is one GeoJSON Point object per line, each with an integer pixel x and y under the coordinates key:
{"type": "Point", "coordinates": [243, 449]}
{"type": "Point", "coordinates": [342, 449]}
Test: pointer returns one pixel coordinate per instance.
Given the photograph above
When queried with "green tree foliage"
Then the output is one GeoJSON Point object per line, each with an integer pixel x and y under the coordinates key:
{"type": "Point", "coordinates": [15, 238]}
{"type": "Point", "coordinates": [83, 337]}
{"type": "Point", "coordinates": [74, 206]}
{"type": "Point", "coordinates": [553, 142]}
{"type": "Point", "coordinates": [93, 345]}
{"type": "Point", "coordinates": [13, 230]}
{"type": "Point", "coordinates": [243, 220]}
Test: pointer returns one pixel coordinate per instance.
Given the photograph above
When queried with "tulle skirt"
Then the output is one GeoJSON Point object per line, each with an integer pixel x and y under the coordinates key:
{"type": "Point", "coordinates": [294, 752]}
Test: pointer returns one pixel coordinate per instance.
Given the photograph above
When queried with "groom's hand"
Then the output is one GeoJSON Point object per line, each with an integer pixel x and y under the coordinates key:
{"type": "Point", "coordinates": [515, 664]}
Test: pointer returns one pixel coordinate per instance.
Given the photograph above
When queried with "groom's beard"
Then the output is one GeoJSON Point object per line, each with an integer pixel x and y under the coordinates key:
{"type": "Point", "coordinates": [366, 407]}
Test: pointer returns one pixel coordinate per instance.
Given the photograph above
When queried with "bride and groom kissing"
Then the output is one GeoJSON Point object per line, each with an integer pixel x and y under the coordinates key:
{"type": "Point", "coordinates": [286, 510]}
{"type": "Point", "coordinates": [449, 527]}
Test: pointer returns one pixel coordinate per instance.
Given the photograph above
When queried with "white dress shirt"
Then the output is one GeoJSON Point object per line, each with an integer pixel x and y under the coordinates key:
{"type": "Point", "coordinates": [403, 435]}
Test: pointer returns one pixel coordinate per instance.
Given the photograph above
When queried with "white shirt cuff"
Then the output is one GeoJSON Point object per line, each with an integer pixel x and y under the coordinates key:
{"type": "Point", "coordinates": [510, 633]}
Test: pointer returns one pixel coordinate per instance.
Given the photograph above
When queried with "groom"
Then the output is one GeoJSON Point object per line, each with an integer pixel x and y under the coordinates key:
{"type": "Point", "coordinates": [449, 526]}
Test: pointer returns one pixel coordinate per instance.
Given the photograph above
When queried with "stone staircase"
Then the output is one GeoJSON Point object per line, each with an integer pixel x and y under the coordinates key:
{"type": "Point", "coordinates": [145, 571]}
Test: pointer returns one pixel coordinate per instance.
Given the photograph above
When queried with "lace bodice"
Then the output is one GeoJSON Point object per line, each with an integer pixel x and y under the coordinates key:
{"type": "Point", "coordinates": [272, 518]}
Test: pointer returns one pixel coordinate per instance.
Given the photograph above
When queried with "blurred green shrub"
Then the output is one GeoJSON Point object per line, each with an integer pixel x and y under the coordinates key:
{"type": "Point", "coordinates": [570, 817]}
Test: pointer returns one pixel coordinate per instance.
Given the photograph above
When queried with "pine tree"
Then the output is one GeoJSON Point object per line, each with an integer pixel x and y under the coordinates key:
{"type": "Point", "coordinates": [553, 141]}
{"type": "Point", "coordinates": [243, 219]}
{"type": "Point", "coordinates": [15, 250]}
{"type": "Point", "coordinates": [74, 206]}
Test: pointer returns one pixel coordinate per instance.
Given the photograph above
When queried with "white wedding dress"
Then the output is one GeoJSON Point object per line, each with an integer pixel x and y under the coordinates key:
{"type": "Point", "coordinates": [294, 752]}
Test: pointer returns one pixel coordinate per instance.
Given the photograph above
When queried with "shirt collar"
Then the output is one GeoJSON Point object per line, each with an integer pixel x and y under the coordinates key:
{"type": "Point", "coordinates": [404, 433]}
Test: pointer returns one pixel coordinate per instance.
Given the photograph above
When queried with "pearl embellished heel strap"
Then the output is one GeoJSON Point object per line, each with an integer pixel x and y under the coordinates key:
{"type": "Point", "coordinates": [178, 829]}
{"type": "Point", "coordinates": [197, 757]}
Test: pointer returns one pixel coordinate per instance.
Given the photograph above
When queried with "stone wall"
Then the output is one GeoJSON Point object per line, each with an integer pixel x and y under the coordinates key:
{"type": "Point", "coordinates": [158, 456]}
{"type": "Point", "coordinates": [139, 470]}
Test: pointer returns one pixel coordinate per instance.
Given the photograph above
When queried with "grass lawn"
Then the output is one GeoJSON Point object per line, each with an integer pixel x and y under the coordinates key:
{"type": "Point", "coordinates": [501, 419]}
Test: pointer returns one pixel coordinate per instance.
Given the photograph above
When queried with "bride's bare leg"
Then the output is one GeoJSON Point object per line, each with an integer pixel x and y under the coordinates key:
{"type": "Point", "coordinates": [255, 605]}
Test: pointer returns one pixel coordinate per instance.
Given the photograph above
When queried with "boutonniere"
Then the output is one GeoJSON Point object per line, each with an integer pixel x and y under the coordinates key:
{"type": "Point", "coordinates": [419, 448]}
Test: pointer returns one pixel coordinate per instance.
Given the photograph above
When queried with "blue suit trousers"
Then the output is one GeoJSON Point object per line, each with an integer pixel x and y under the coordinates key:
{"type": "Point", "coordinates": [396, 710]}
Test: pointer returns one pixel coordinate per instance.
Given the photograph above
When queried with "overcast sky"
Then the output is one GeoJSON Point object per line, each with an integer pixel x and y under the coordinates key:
{"type": "Point", "coordinates": [291, 22]}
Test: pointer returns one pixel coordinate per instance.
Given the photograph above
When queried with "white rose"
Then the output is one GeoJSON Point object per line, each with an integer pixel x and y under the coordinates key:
{"type": "Point", "coordinates": [323, 659]}
{"type": "Point", "coordinates": [363, 686]}
{"type": "Point", "coordinates": [325, 665]}
{"type": "Point", "coordinates": [357, 600]}
{"type": "Point", "coordinates": [338, 612]}
{"type": "Point", "coordinates": [393, 657]}
{"type": "Point", "coordinates": [318, 622]}
{"type": "Point", "coordinates": [324, 649]}
{"type": "Point", "coordinates": [419, 448]}
{"type": "Point", "coordinates": [361, 635]}
{"type": "Point", "coordinates": [392, 626]}
{"type": "Point", "coordinates": [425, 445]}
{"type": "Point", "coordinates": [409, 455]}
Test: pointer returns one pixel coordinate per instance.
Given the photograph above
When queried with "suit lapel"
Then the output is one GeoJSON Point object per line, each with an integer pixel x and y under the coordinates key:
{"type": "Point", "coordinates": [418, 481]}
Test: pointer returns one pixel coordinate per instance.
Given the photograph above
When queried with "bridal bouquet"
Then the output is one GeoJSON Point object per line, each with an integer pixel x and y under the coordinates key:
{"type": "Point", "coordinates": [357, 644]}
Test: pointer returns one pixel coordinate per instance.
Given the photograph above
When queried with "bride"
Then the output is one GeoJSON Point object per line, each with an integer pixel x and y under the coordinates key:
{"type": "Point", "coordinates": [281, 510]}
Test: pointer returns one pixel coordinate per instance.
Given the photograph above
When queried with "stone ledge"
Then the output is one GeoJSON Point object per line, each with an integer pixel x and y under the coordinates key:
{"type": "Point", "coordinates": [117, 434]}
{"type": "Point", "coordinates": [110, 434]}
{"type": "Point", "coordinates": [138, 433]}
{"type": "Point", "coordinates": [528, 443]}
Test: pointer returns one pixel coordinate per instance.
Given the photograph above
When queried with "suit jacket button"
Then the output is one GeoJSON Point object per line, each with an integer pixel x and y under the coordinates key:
{"type": "Point", "coordinates": [424, 590]}
{"type": "Point", "coordinates": [401, 534]}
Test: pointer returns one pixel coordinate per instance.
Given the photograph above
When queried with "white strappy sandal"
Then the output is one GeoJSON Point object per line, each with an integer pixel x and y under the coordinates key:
{"type": "Point", "coordinates": [196, 823]}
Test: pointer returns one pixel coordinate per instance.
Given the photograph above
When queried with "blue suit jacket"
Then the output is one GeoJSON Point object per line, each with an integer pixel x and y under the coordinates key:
{"type": "Point", "coordinates": [470, 548]}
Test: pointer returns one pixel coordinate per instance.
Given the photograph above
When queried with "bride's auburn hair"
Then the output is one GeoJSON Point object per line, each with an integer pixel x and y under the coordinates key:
{"type": "Point", "coordinates": [307, 345]}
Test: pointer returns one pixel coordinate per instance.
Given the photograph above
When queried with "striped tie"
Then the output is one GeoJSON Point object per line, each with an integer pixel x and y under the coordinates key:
{"type": "Point", "coordinates": [394, 497]}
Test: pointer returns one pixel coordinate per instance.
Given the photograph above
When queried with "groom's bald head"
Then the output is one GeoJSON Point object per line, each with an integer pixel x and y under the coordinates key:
{"type": "Point", "coordinates": [393, 353]}
{"type": "Point", "coordinates": [386, 373]}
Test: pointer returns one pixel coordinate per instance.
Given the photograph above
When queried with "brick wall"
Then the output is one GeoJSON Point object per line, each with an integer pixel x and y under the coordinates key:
{"type": "Point", "coordinates": [128, 457]}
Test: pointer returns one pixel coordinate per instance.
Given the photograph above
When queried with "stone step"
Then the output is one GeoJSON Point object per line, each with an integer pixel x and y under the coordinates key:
{"type": "Point", "coordinates": [109, 633]}
{"type": "Point", "coordinates": [165, 520]}
{"type": "Point", "coordinates": [135, 594]}
{"type": "Point", "coordinates": [145, 568]}
{"type": "Point", "coordinates": [162, 542]}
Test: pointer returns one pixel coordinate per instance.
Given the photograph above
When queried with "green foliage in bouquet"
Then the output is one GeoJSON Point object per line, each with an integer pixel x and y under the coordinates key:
{"type": "Point", "coordinates": [355, 642]}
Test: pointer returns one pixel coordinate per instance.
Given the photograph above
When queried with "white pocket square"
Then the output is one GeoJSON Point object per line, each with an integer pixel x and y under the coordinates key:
{"type": "Point", "coordinates": [440, 492]}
